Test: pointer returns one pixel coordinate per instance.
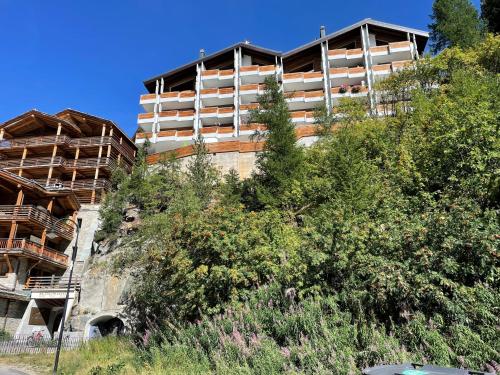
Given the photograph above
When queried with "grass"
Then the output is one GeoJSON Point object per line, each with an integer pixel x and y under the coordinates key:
{"type": "Point", "coordinates": [109, 356]}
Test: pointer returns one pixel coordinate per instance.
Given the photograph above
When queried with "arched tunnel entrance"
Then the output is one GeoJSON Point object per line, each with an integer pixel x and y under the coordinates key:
{"type": "Point", "coordinates": [104, 325]}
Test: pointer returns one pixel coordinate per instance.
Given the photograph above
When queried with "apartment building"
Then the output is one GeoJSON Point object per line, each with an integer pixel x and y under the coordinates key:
{"type": "Point", "coordinates": [52, 167]}
{"type": "Point", "coordinates": [213, 95]}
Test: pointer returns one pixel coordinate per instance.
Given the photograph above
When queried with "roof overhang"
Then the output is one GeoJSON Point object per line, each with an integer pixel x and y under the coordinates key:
{"type": "Point", "coordinates": [86, 118]}
{"type": "Point", "coordinates": [150, 83]}
{"type": "Point", "coordinates": [366, 21]}
{"type": "Point", "coordinates": [36, 117]}
{"type": "Point", "coordinates": [67, 196]}
{"type": "Point", "coordinates": [246, 46]}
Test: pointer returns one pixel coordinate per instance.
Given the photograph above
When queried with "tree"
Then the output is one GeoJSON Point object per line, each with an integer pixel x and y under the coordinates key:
{"type": "Point", "coordinates": [280, 165]}
{"type": "Point", "coordinates": [201, 172]}
{"type": "Point", "coordinates": [455, 23]}
{"type": "Point", "coordinates": [490, 12]}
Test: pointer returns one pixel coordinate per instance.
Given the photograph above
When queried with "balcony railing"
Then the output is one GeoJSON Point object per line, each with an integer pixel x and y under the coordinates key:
{"type": "Point", "coordinates": [59, 161]}
{"type": "Point", "coordinates": [32, 214]}
{"type": "Point", "coordinates": [48, 140]}
{"type": "Point", "coordinates": [52, 282]}
{"type": "Point", "coordinates": [87, 184]}
{"type": "Point", "coordinates": [33, 249]}
{"type": "Point", "coordinates": [32, 162]}
{"type": "Point", "coordinates": [63, 140]}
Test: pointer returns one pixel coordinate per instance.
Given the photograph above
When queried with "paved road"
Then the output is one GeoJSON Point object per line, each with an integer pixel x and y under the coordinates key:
{"type": "Point", "coordinates": [8, 371]}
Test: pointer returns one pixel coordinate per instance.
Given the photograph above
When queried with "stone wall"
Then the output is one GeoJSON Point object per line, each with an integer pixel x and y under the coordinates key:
{"type": "Point", "coordinates": [241, 162]}
{"type": "Point", "coordinates": [11, 314]}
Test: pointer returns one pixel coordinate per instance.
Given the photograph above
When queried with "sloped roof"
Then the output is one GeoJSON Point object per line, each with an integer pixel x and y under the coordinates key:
{"type": "Point", "coordinates": [31, 116]}
{"type": "Point", "coordinates": [246, 45]}
{"type": "Point", "coordinates": [366, 21]}
{"type": "Point", "coordinates": [86, 116]}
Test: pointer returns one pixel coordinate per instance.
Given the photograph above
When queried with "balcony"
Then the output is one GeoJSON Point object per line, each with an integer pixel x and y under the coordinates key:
{"type": "Point", "coordinates": [302, 81]}
{"type": "Point", "coordinates": [392, 52]}
{"type": "Point", "coordinates": [148, 102]}
{"type": "Point", "coordinates": [217, 132]}
{"type": "Point", "coordinates": [245, 110]}
{"type": "Point", "coordinates": [33, 250]}
{"type": "Point", "coordinates": [57, 283]}
{"type": "Point", "coordinates": [146, 121]}
{"type": "Point", "coordinates": [251, 129]}
{"type": "Point", "coordinates": [169, 100]}
{"type": "Point", "coordinates": [85, 184]}
{"type": "Point", "coordinates": [108, 164]}
{"type": "Point", "coordinates": [216, 115]}
{"type": "Point", "coordinates": [348, 76]}
{"type": "Point", "coordinates": [256, 74]}
{"type": "Point", "coordinates": [33, 163]}
{"type": "Point", "coordinates": [345, 57]}
{"type": "Point", "coordinates": [60, 162]}
{"type": "Point", "coordinates": [32, 215]}
{"type": "Point", "coordinates": [381, 71]}
{"type": "Point", "coordinates": [64, 142]}
{"type": "Point", "coordinates": [175, 135]}
{"type": "Point", "coordinates": [347, 92]}
{"type": "Point", "coordinates": [302, 117]}
{"type": "Point", "coordinates": [249, 93]}
{"type": "Point", "coordinates": [216, 97]}
{"type": "Point", "coordinates": [169, 119]}
{"type": "Point", "coordinates": [300, 100]}
{"type": "Point", "coordinates": [177, 100]}
{"type": "Point", "coordinates": [217, 78]}
{"type": "Point", "coordinates": [31, 142]}
{"type": "Point", "coordinates": [401, 65]}
{"type": "Point", "coordinates": [166, 119]}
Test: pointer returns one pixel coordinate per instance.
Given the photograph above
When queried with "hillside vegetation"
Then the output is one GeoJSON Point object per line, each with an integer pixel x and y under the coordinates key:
{"type": "Point", "coordinates": [378, 244]}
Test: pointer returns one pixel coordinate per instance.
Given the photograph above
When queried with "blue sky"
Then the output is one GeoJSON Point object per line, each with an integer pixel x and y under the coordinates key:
{"type": "Point", "coordinates": [94, 55]}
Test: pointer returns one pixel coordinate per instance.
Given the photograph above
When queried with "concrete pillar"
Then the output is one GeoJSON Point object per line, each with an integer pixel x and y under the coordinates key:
{"type": "Point", "coordinates": [368, 65]}
{"type": "Point", "coordinates": [236, 102]}
{"type": "Point", "coordinates": [326, 75]}
{"type": "Point", "coordinates": [415, 47]}
{"type": "Point", "coordinates": [197, 100]}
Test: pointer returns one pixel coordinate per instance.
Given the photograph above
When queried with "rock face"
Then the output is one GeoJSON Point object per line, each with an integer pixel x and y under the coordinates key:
{"type": "Point", "coordinates": [103, 293]}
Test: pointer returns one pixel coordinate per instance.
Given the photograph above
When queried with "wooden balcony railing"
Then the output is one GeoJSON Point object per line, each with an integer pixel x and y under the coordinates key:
{"type": "Point", "coordinates": [37, 216]}
{"type": "Point", "coordinates": [33, 249]}
{"type": "Point", "coordinates": [65, 141]}
{"type": "Point", "coordinates": [87, 184]}
{"type": "Point", "coordinates": [52, 282]}
{"type": "Point", "coordinates": [46, 161]}
{"type": "Point", "coordinates": [123, 149]}
{"type": "Point", "coordinates": [104, 162]}
{"type": "Point", "coordinates": [48, 140]}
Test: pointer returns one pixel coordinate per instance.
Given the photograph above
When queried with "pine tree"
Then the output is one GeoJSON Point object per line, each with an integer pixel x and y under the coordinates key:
{"type": "Point", "coordinates": [201, 172]}
{"type": "Point", "coordinates": [280, 165]}
{"type": "Point", "coordinates": [490, 12]}
{"type": "Point", "coordinates": [455, 23]}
